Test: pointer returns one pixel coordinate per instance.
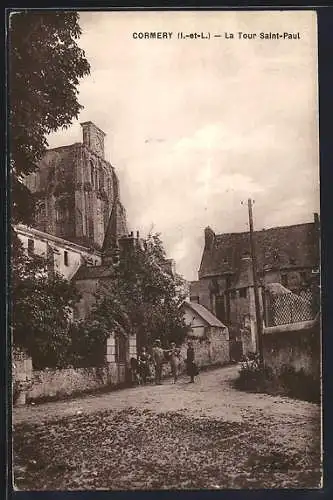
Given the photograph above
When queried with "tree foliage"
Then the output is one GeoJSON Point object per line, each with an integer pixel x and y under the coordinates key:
{"type": "Point", "coordinates": [142, 297]}
{"type": "Point", "coordinates": [41, 308]}
{"type": "Point", "coordinates": [45, 66]}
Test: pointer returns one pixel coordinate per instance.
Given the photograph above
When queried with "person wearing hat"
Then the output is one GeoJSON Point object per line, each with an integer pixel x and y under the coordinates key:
{"type": "Point", "coordinates": [174, 359]}
{"type": "Point", "coordinates": [158, 358]}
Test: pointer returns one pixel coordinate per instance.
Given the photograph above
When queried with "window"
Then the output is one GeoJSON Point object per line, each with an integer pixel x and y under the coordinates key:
{"type": "Point", "coordinates": [233, 294]}
{"type": "Point", "coordinates": [120, 342]}
{"type": "Point", "coordinates": [40, 208]}
{"type": "Point", "coordinates": [92, 168]}
{"type": "Point", "coordinates": [109, 186]}
{"type": "Point", "coordinates": [58, 215]}
{"type": "Point", "coordinates": [62, 214]}
{"type": "Point", "coordinates": [101, 178]}
{"type": "Point", "coordinates": [284, 280]}
{"type": "Point", "coordinates": [31, 246]}
{"type": "Point", "coordinates": [220, 308]}
{"type": "Point", "coordinates": [66, 260]}
{"type": "Point", "coordinates": [243, 293]}
{"type": "Point", "coordinates": [90, 227]}
{"type": "Point", "coordinates": [194, 298]}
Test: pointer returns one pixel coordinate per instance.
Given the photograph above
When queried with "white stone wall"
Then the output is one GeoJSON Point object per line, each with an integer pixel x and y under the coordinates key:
{"type": "Point", "coordinates": [194, 321]}
{"type": "Point", "coordinates": [75, 254]}
{"type": "Point", "coordinates": [111, 349]}
{"type": "Point", "coordinates": [209, 351]}
{"type": "Point", "coordinates": [132, 347]}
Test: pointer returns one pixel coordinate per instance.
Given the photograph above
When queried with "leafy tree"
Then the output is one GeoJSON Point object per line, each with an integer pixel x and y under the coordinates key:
{"type": "Point", "coordinates": [45, 65]}
{"type": "Point", "coordinates": [87, 344]}
{"type": "Point", "coordinates": [42, 305]}
{"type": "Point", "coordinates": [142, 297]}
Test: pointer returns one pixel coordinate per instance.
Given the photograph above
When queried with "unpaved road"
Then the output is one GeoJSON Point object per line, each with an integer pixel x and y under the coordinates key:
{"type": "Point", "coordinates": [202, 435]}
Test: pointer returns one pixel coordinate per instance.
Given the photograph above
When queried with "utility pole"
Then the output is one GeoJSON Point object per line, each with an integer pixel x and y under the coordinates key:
{"type": "Point", "coordinates": [255, 283]}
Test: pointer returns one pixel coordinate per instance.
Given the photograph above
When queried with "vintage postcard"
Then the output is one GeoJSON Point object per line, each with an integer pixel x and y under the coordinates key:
{"type": "Point", "coordinates": [165, 263]}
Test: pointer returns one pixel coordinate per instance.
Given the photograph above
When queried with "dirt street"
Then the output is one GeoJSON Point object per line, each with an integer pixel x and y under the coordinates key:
{"type": "Point", "coordinates": [202, 435]}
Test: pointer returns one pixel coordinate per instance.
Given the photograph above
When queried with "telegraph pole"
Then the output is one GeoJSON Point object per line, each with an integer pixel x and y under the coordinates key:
{"type": "Point", "coordinates": [255, 283]}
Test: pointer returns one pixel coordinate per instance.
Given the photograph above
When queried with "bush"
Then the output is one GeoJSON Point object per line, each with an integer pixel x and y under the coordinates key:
{"type": "Point", "coordinates": [255, 377]}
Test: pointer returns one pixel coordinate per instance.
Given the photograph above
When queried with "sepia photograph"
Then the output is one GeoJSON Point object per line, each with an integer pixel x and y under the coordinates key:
{"type": "Point", "coordinates": [164, 315]}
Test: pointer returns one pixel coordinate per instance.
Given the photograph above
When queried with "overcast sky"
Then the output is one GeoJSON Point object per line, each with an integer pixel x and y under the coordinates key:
{"type": "Point", "coordinates": [196, 126]}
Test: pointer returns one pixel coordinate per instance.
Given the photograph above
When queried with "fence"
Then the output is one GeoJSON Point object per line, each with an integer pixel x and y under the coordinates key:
{"type": "Point", "coordinates": [291, 307]}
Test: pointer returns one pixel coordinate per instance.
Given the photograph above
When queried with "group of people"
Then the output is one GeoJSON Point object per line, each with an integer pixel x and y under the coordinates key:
{"type": "Point", "coordinates": [141, 368]}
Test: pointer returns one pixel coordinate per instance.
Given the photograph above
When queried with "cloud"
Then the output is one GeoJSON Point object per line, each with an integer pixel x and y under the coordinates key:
{"type": "Point", "coordinates": [195, 127]}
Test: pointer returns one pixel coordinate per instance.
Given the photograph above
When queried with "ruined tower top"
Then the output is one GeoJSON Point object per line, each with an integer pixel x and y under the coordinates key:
{"type": "Point", "coordinates": [93, 138]}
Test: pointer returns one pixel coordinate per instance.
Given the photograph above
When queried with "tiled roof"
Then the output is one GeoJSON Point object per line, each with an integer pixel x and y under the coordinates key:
{"type": "Point", "coordinates": [283, 247]}
{"type": "Point", "coordinates": [92, 272]}
{"type": "Point", "coordinates": [206, 315]}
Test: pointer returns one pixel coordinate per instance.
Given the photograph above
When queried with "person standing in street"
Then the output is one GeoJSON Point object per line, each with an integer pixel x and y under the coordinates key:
{"type": "Point", "coordinates": [174, 359]}
{"type": "Point", "coordinates": [143, 365]}
{"type": "Point", "coordinates": [191, 366]}
{"type": "Point", "coordinates": [158, 358]}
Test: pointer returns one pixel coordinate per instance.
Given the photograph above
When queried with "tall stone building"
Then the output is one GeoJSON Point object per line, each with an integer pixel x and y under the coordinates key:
{"type": "Point", "coordinates": [76, 191]}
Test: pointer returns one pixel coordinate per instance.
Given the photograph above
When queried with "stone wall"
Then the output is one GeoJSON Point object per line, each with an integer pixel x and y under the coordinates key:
{"type": "Point", "coordinates": [63, 256]}
{"type": "Point", "coordinates": [60, 383]}
{"type": "Point", "coordinates": [210, 351]}
{"type": "Point", "coordinates": [57, 383]}
{"type": "Point", "coordinates": [295, 346]}
{"type": "Point", "coordinates": [21, 376]}
{"type": "Point", "coordinates": [202, 290]}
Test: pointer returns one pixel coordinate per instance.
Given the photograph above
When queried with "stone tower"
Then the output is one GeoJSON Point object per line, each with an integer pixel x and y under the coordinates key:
{"type": "Point", "coordinates": [93, 138]}
{"type": "Point", "coordinates": [77, 189]}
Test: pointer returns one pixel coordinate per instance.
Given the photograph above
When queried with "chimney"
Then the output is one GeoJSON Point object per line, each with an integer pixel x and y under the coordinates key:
{"type": "Point", "coordinates": [126, 244]}
{"type": "Point", "coordinates": [209, 238]}
{"type": "Point", "coordinates": [93, 138]}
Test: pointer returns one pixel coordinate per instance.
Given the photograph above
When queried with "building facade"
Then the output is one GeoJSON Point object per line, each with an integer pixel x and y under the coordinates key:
{"type": "Point", "coordinates": [209, 335]}
{"type": "Point", "coordinates": [287, 255]}
{"type": "Point", "coordinates": [63, 256]}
